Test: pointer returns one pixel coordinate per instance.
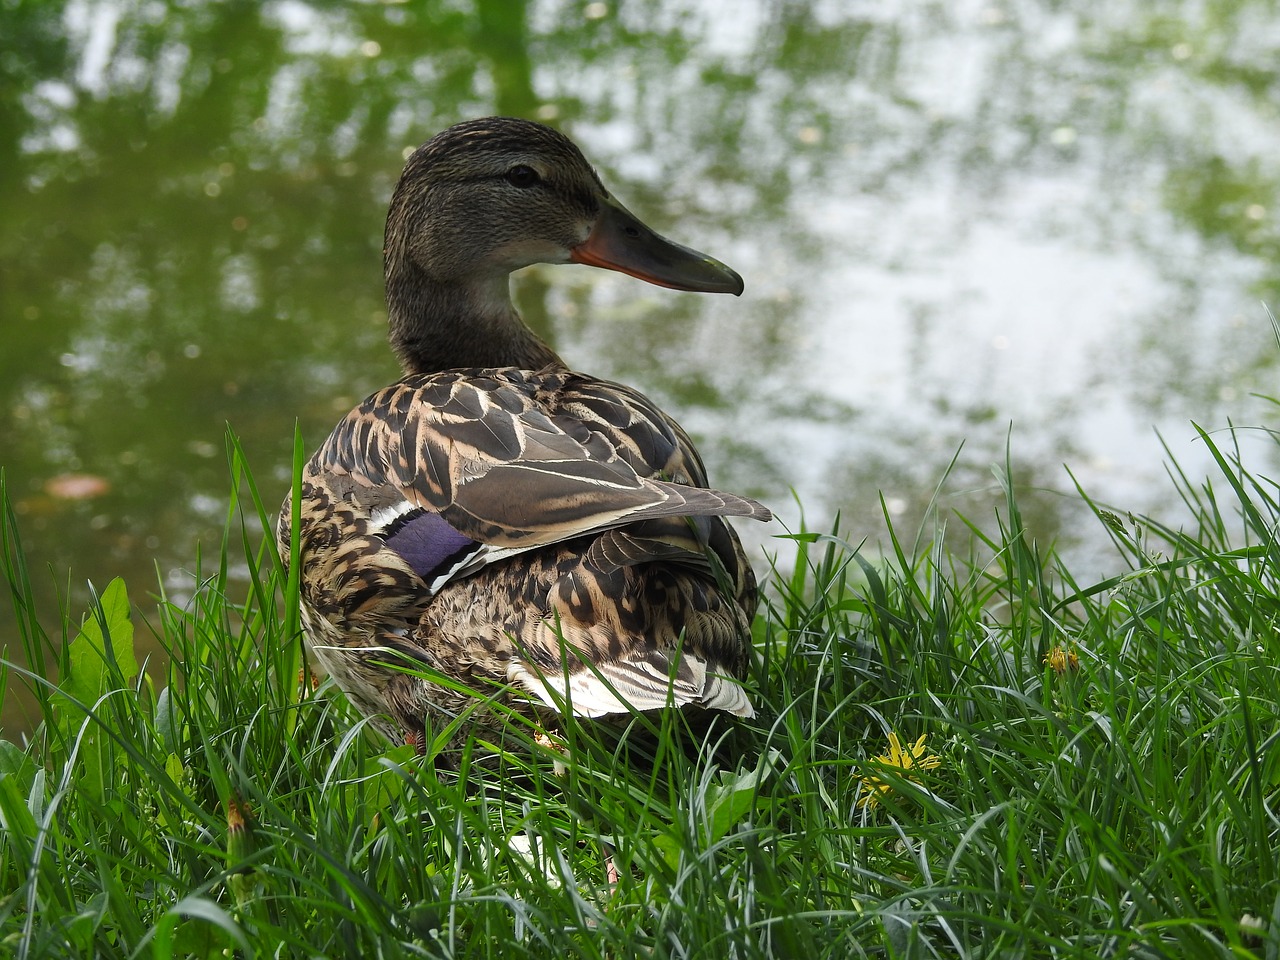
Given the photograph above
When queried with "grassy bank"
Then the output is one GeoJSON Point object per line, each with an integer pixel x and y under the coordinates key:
{"type": "Point", "coordinates": [952, 758]}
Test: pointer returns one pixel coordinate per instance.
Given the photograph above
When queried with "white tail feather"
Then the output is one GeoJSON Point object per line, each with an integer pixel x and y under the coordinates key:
{"type": "Point", "coordinates": [623, 686]}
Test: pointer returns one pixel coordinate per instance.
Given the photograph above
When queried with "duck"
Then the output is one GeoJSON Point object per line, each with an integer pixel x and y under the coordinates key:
{"type": "Point", "coordinates": [495, 532]}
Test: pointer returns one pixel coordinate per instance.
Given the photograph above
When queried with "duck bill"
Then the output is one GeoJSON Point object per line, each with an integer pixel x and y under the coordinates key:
{"type": "Point", "coordinates": [619, 241]}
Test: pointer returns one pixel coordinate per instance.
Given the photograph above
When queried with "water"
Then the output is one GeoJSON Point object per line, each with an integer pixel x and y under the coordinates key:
{"type": "Point", "coordinates": [1043, 224]}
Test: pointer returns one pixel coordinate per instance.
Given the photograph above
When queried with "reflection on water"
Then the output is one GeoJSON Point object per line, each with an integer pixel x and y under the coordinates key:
{"type": "Point", "coordinates": [951, 217]}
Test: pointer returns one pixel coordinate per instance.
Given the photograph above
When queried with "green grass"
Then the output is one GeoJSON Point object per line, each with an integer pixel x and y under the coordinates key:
{"type": "Point", "coordinates": [1126, 804]}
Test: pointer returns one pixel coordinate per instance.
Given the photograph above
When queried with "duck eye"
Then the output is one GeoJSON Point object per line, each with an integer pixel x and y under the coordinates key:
{"type": "Point", "coordinates": [523, 177]}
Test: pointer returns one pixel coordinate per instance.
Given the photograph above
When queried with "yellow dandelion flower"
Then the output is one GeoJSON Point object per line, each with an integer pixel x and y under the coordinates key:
{"type": "Point", "coordinates": [1062, 660]}
{"type": "Point", "coordinates": [904, 760]}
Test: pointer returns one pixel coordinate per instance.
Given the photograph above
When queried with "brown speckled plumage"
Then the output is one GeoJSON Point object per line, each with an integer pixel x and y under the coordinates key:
{"type": "Point", "coordinates": [494, 518]}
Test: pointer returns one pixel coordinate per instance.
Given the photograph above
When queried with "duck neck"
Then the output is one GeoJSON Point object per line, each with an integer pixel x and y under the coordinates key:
{"type": "Point", "coordinates": [436, 326]}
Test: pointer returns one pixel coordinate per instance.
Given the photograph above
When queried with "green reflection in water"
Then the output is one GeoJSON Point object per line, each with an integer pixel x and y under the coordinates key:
{"type": "Point", "coordinates": [193, 197]}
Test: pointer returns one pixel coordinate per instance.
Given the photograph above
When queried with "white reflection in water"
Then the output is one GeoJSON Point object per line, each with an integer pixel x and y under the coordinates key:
{"type": "Point", "coordinates": [990, 245]}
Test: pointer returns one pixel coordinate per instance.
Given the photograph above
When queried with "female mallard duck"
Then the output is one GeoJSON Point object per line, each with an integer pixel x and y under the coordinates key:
{"type": "Point", "coordinates": [495, 521]}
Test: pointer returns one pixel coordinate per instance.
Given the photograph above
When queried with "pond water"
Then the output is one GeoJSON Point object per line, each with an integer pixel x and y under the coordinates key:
{"type": "Point", "coordinates": [961, 225]}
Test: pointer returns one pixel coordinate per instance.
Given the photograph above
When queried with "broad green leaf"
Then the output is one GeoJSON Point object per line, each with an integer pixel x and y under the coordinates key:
{"type": "Point", "coordinates": [80, 930]}
{"type": "Point", "coordinates": [188, 938]}
{"type": "Point", "coordinates": [102, 654]}
{"type": "Point", "coordinates": [101, 658]}
{"type": "Point", "coordinates": [17, 825]}
{"type": "Point", "coordinates": [15, 815]}
{"type": "Point", "coordinates": [15, 763]}
{"type": "Point", "coordinates": [669, 847]}
{"type": "Point", "coordinates": [735, 796]}
{"type": "Point", "coordinates": [168, 721]}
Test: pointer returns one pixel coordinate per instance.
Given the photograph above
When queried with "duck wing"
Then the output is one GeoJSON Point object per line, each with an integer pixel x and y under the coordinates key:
{"type": "Point", "coordinates": [457, 470]}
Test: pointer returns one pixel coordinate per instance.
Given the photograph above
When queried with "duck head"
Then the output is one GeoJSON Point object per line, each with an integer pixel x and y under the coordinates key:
{"type": "Point", "coordinates": [490, 196]}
